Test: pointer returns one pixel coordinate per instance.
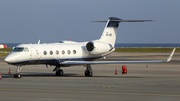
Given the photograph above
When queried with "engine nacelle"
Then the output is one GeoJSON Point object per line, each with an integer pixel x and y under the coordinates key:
{"type": "Point", "coordinates": [96, 47]}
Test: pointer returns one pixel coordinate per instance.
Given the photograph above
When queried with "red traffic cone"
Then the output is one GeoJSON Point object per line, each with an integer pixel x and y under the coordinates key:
{"type": "Point", "coordinates": [9, 70]}
{"type": "Point", "coordinates": [0, 76]}
{"type": "Point", "coordinates": [116, 72]}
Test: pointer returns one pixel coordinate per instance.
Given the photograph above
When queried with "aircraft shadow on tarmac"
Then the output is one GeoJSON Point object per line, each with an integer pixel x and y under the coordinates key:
{"type": "Point", "coordinates": [44, 75]}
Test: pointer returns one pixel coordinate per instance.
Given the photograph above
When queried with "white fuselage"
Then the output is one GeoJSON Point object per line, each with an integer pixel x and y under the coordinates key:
{"type": "Point", "coordinates": [51, 54]}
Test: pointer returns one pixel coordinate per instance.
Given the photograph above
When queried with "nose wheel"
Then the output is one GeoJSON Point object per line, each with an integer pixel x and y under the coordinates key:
{"type": "Point", "coordinates": [17, 76]}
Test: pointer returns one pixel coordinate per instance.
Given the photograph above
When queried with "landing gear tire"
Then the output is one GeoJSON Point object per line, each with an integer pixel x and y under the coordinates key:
{"type": "Point", "coordinates": [88, 73]}
{"type": "Point", "coordinates": [17, 76]}
{"type": "Point", "coordinates": [59, 72]}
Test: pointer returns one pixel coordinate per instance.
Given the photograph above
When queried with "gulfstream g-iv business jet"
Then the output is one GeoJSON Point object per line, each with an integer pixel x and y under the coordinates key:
{"type": "Point", "coordinates": [70, 53]}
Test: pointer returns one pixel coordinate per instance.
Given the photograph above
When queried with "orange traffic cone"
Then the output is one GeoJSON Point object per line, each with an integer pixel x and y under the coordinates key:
{"type": "Point", "coordinates": [9, 70]}
{"type": "Point", "coordinates": [116, 72]}
{"type": "Point", "coordinates": [0, 76]}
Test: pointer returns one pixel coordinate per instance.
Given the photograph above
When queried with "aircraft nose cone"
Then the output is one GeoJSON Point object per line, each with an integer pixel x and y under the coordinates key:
{"type": "Point", "coordinates": [7, 60]}
{"type": "Point", "coordinates": [10, 59]}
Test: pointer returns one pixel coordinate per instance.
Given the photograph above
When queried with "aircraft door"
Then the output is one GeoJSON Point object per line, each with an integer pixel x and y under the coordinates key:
{"type": "Point", "coordinates": [33, 55]}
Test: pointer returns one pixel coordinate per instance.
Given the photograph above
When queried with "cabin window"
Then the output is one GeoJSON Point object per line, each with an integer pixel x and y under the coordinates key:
{"type": "Point", "coordinates": [45, 52]}
{"type": "Point", "coordinates": [51, 52]}
{"type": "Point", "coordinates": [57, 52]}
{"type": "Point", "coordinates": [63, 52]}
{"type": "Point", "coordinates": [26, 49]}
{"type": "Point", "coordinates": [69, 52]}
{"type": "Point", "coordinates": [74, 51]}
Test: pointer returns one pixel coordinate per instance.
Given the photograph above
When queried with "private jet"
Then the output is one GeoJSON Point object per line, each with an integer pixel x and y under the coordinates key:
{"type": "Point", "coordinates": [71, 53]}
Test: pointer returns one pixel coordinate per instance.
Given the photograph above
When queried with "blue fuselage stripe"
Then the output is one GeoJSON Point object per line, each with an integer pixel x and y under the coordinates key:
{"type": "Point", "coordinates": [52, 61]}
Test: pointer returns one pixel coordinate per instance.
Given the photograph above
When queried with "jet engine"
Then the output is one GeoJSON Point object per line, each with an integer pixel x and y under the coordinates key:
{"type": "Point", "coordinates": [97, 47]}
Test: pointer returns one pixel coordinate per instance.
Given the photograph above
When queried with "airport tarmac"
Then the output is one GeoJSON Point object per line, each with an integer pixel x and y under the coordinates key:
{"type": "Point", "coordinates": [143, 82]}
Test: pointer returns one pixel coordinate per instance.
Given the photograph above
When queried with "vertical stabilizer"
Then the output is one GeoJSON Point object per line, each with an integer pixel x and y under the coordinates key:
{"type": "Point", "coordinates": [110, 31]}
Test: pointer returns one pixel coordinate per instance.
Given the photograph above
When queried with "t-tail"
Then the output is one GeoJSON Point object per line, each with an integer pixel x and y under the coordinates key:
{"type": "Point", "coordinates": [110, 30]}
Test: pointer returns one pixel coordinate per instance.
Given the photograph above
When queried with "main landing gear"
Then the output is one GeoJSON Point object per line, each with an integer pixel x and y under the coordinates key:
{"type": "Point", "coordinates": [88, 72]}
{"type": "Point", "coordinates": [59, 72]}
{"type": "Point", "coordinates": [17, 74]}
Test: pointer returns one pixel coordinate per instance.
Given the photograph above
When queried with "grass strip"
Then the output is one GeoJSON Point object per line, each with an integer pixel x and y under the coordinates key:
{"type": "Point", "coordinates": [142, 49]}
{"type": "Point", "coordinates": [3, 55]}
{"type": "Point", "coordinates": [6, 49]}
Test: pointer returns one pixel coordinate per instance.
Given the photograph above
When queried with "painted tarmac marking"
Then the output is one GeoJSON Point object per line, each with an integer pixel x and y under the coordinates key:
{"type": "Point", "coordinates": [91, 92]}
{"type": "Point", "coordinates": [148, 84]}
{"type": "Point", "coordinates": [101, 87]}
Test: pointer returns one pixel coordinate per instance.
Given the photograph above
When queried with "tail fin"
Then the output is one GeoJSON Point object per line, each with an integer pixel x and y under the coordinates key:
{"type": "Point", "coordinates": [110, 30]}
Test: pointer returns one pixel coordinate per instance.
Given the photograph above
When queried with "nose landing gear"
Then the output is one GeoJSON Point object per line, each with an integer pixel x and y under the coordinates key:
{"type": "Point", "coordinates": [17, 74]}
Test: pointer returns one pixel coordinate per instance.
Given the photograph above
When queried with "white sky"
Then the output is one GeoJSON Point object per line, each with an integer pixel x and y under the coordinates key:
{"type": "Point", "coordinates": [27, 21]}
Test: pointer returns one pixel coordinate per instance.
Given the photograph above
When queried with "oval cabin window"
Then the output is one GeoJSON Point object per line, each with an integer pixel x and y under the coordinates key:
{"type": "Point", "coordinates": [45, 52]}
{"type": "Point", "coordinates": [63, 52]}
{"type": "Point", "coordinates": [74, 51]}
{"type": "Point", "coordinates": [51, 52]}
{"type": "Point", "coordinates": [57, 52]}
{"type": "Point", "coordinates": [69, 52]}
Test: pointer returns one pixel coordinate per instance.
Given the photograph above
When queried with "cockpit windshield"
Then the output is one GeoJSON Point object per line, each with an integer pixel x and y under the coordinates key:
{"type": "Point", "coordinates": [20, 49]}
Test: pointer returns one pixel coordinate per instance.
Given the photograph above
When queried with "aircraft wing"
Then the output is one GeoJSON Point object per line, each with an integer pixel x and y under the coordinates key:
{"type": "Point", "coordinates": [107, 62]}
{"type": "Point", "coordinates": [115, 62]}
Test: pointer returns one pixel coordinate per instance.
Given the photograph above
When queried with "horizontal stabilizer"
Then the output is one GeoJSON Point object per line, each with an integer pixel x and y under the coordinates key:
{"type": "Point", "coordinates": [127, 21]}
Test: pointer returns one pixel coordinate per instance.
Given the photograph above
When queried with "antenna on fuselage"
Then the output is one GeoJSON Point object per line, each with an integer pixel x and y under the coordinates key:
{"type": "Point", "coordinates": [39, 41]}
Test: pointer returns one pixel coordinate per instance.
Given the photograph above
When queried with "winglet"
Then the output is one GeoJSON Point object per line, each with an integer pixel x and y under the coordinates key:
{"type": "Point", "coordinates": [171, 55]}
{"type": "Point", "coordinates": [39, 42]}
